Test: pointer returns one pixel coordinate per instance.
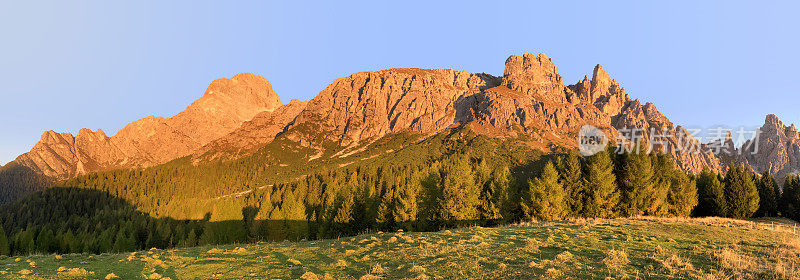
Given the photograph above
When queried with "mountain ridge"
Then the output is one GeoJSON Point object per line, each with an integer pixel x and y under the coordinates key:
{"type": "Point", "coordinates": [154, 140]}
{"type": "Point", "coordinates": [237, 116]}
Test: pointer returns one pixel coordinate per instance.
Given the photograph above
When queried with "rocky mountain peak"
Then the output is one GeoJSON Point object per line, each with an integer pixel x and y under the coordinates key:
{"type": "Point", "coordinates": [600, 78]}
{"type": "Point", "coordinates": [601, 91]}
{"type": "Point", "coordinates": [238, 115]}
{"type": "Point", "coordinates": [243, 91]}
{"type": "Point", "coordinates": [534, 75]}
{"type": "Point", "coordinates": [775, 149]}
{"type": "Point", "coordinates": [773, 119]}
{"type": "Point", "coordinates": [791, 132]}
{"type": "Point", "coordinates": [225, 105]}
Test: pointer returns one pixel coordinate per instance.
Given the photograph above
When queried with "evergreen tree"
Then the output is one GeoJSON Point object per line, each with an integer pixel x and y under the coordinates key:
{"type": "Point", "coordinates": [5, 249]}
{"type": "Point", "coordinates": [635, 180]}
{"type": "Point", "coordinates": [768, 199]}
{"type": "Point", "coordinates": [570, 170]}
{"type": "Point", "coordinates": [459, 199]}
{"type": "Point", "coordinates": [682, 195]}
{"type": "Point", "coordinates": [248, 221]}
{"type": "Point", "coordinates": [790, 198]}
{"type": "Point", "coordinates": [741, 194]}
{"type": "Point", "coordinates": [208, 237]}
{"type": "Point", "coordinates": [343, 215]}
{"type": "Point", "coordinates": [669, 185]}
{"type": "Point", "coordinates": [711, 195]}
{"type": "Point", "coordinates": [405, 201]}
{"type": "Point", "coordinates": [493, 191]}
{"type": "Point", "coordinates": [603, 194]}
{"type": "Point", "coordinates": [191, 239]}
{"type": "Point", "coordinates": [545, 198]}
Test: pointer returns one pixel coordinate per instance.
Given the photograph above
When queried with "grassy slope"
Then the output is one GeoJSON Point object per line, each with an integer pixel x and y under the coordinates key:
{"type": "Point", "coordinates": [707, 248]}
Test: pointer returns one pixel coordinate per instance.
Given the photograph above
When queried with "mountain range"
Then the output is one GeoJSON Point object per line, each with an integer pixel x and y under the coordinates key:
{"type": "Point", "coordinates": [530, 104]}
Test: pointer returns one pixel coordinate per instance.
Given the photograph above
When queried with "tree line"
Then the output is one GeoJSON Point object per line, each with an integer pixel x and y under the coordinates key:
{"type": "Point", "coordinates": [468, 185]}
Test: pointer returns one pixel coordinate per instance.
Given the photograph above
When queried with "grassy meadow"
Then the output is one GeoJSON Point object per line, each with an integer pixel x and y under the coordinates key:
{"type": "Point", "coordinates": [633, 248]}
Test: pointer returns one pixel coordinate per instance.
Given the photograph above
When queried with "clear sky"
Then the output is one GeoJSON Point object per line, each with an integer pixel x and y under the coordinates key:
{"type": "Point", "coordinates": [101, 64]}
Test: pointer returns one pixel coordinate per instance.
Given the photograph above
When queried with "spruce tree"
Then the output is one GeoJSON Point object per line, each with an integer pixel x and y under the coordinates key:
{"type": "Point", "coordinates": [570, 170]}
{"type": "Point", "coordinates": [682, 195]}
{"type": "Point", "coordinates": [208, 237]}
{"type": "Point", "coordinates": [768, 199]}
{"type": "Point", "coordinates": [666, 182]}
{"type": "Point", "coordinates": [546, 196]}
{"type": "Point", "coordinates": [711, 195]}
{"type": "Point", "coordinates": [5, 249]}
{"type": "Point", "coordinates": [459, 199]}
{"type": "Point", "coordinates": [493, 192]}
{"type": "Point", "coordinates": [635, 180]}
{"type": "Point", "coordinates": [405, 201]}
{"type": "Point", "coordinates": [603, 194]}
{"type": "Point", "coordinates": [790, 198]}
{"type": "Point", "coordinates": [741, 194]}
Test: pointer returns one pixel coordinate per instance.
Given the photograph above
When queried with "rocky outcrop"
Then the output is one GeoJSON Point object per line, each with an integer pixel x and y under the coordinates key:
{"type": "Point", "coordinates": [226, 104]}
{"type": "Point", "coordinates": [370, 105]}
{"type": "Point", "coordinates": [776, 149]}
{"type": "Point", "coordinates": [652, 130]}
{"type": "Point", "coordinates": [240, 115]}
{"type": "Point", "coordinates": [530, 98]}
{"type": "Point", "coordinates": [251, 135]}
{"type": "Point", "coordinates": [534, 75]}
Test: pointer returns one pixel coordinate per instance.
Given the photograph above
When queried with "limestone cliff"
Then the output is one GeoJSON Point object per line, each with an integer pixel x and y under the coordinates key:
{"type": "Point", "coordinates": [240, 115]}
{"type": "Point", "coordinates": [776, 149]}
{"type": "Point", "coordinates": [226, 104]}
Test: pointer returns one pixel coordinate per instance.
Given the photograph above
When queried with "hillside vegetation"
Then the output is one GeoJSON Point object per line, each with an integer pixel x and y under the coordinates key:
{"type": "Point", "coordinates": [453, 179]}
{"type": "Point", "coordinates": [632, 248]}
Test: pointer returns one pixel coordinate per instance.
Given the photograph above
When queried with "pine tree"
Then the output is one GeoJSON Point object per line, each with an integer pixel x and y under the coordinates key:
{"type": "Point", "coordinates": [789, 203]}
{"type": "Point", "coordinates": [635, 180]}
{"type": "Point", "coordinates": [768, 199]}
{"type": "Point", "coordinates": [459, 199]}
{"type": "Point", "coordinates": [385, 215]}
{"type": "Point", "coordinates": [405, 201]}
{"type": "Point", "coordinates": [248, 221]}
{"type": "Point", "coordinates": [546, 196]}
{"type": "Point", "coordinates": [208, 237]}
{"type": "Point", "coordinates": [343, 216]}
{"type": "Point", "coordinates": [711, 195]}
{"type": "Point", "coordinates": [5, 249]}
{"type": "Point", "coordinates": [494, 184]}
{"type": "Point", "coordinates": [191, 239]}
{"type": "Point", "coordinates": [571, 172]}
{"type": "Point", "coordinates": [667, 182]}
{"type": "Point", "coordinates": [682, 195]}
{"type": "Point", "coordinates": [741, 194]}
{"type": "Point", "coordinates": [603, 194]}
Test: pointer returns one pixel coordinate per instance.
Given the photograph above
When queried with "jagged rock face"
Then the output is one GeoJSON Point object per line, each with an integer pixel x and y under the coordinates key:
{"type": "Point", "coordinates": [534, 75]}
{"type": "Point", "coordinates": [226, 104]}
{"type": "Point", "coordinates": [253, 134]}
{"type": "Point", "coordinates": [644, 123]}
{"type": "Point", "coordinates": [776, 150]}
{"type": "Point", "coordinates": [369, 105]}
{"type": "Point", "coordinates": [530, 96]}
{"type": "Point", "coordinates": [240, 115]}
{"type": "Point", "coordinates": [53, 154]}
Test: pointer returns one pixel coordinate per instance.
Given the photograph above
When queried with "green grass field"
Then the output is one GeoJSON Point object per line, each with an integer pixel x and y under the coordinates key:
{"type": "Point", "coordinates": [637, 248]}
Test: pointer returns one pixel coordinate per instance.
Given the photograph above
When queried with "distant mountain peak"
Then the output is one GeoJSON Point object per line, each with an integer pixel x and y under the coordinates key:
{"type": "Point", "coordinates": [225, 105]}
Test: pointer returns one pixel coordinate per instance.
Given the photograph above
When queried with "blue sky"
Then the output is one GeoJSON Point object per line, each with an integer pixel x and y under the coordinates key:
{"type": "Point", "coordinates": [102, 64]}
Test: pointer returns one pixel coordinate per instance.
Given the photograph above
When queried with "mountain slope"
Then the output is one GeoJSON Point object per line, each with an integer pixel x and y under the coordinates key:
{"type": "Point", "coordinates": [530, 99]}
{"type": "Point", "coordinates": [226, 104]}
{"type": "Point", "coordinates": [239, 117]}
